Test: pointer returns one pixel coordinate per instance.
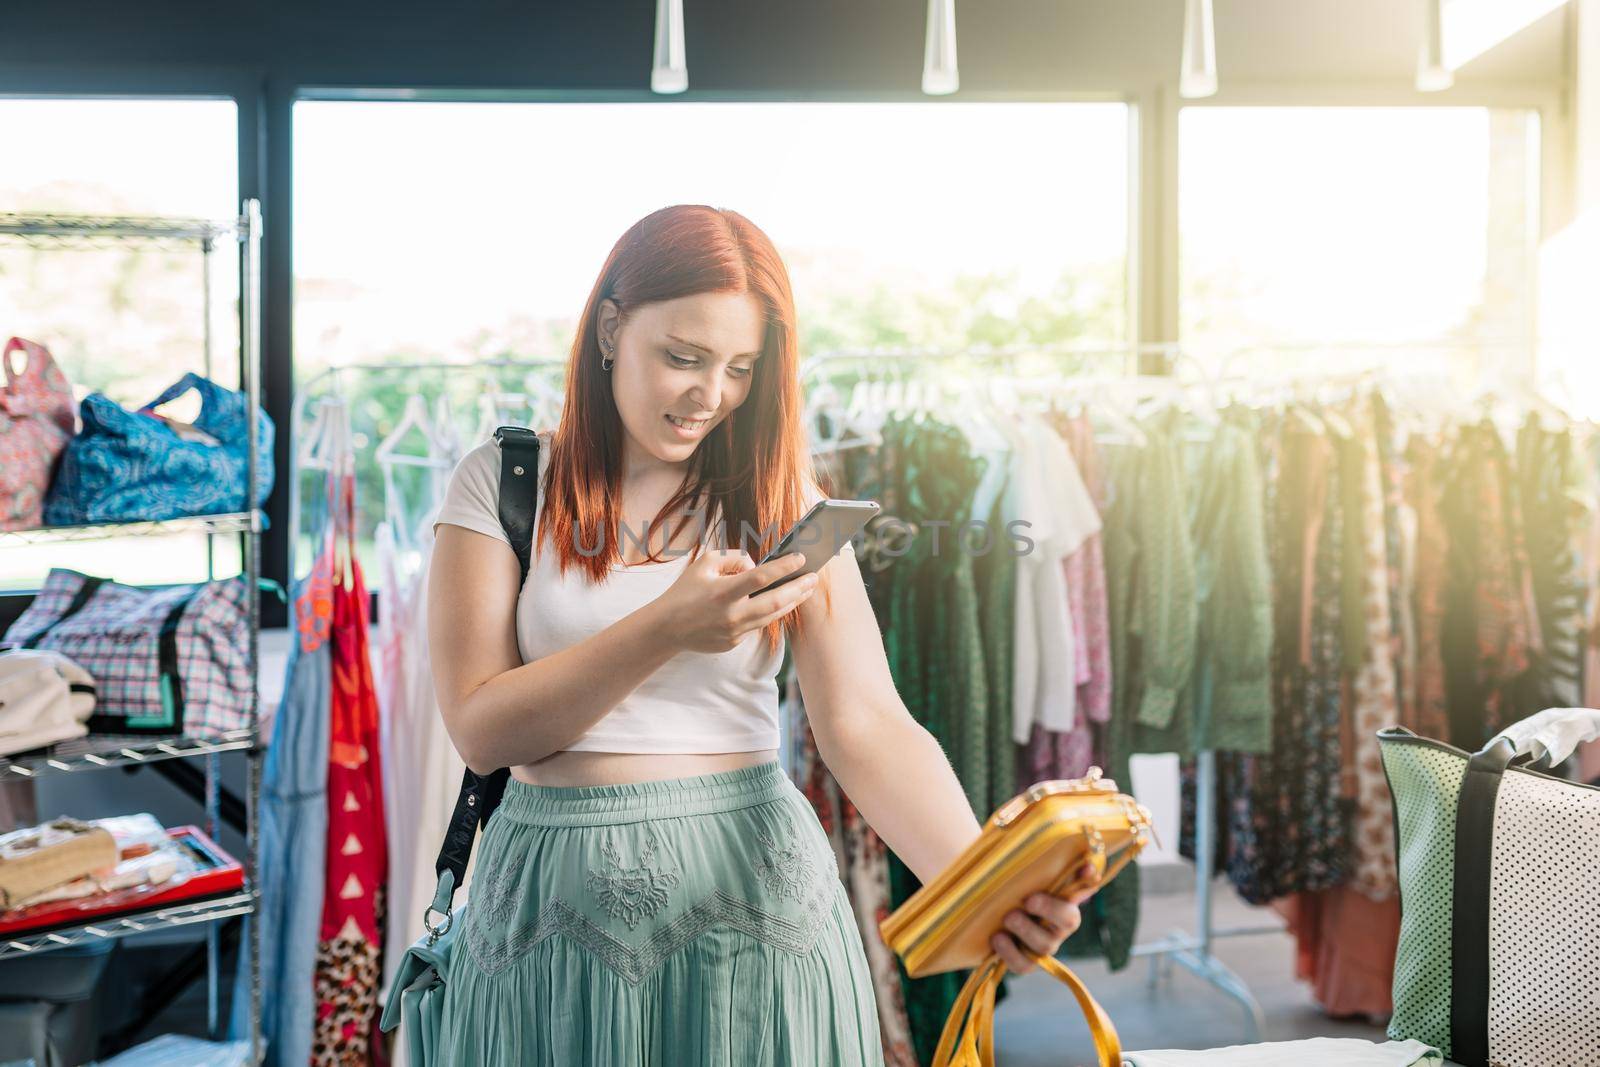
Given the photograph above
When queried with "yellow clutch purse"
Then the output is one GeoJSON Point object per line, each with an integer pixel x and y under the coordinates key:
{"type": "Point", "coordinates": [1035, 842]}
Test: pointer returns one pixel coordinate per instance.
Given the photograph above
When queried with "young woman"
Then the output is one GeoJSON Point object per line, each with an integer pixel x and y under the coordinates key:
{"type": "Point", "coordinates": [653, 889]}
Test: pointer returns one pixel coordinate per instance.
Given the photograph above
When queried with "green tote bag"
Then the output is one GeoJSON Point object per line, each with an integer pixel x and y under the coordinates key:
{"type": "Point", "coordinates": [1498, 962]}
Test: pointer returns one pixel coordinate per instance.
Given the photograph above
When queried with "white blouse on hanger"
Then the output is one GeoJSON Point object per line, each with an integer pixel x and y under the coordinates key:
{"type": "Point", "coordinates": [1047, 491]}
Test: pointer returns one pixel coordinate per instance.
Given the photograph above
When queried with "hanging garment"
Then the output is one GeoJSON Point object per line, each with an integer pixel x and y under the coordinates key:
{"type": "Point", "coordinates": [421, 768]}
{"type": "Point", "coordinates": [294, 826]}
{"type": "Point", "coordinates": [1345, 947]}
{"type": "Point", "coordinates": [1087, 574]}
{"type": "Point", "coordinates": [1552, 492]}
{"type": "Point", "coordinates": [1487, 635]}
{"type": "Point", "coordinates": [858, 473]}
{"type": "Point", "coordinates": [350, 940]}
{"type": "Point", "coordinates": [1111, 916]}
{"type": "Point", "coordinates": [1400, 537]}
{"type": "Point", "coordinates": [928, 614]}
{"type": "Point", "coordinates": [1163, 609]}
{"type": "Point", "coordinates": [994, 572]}
{"type": "Point", "coordinates": [1069, 753]}
{"type": "Point", "coordinates": [1430, 717]}
{"type": "Point", "coordinates": [1589, 539]}
{"type": "Point", "coordinates": [1283, 814]}
{"type": "Point", "coordinates": [1047, 493]}
{"type": "Point", "coordinates": [1233, 584]}
{"type": "Point", "coordinates": [1375, 691]}
{"type": "Point", "coordinates": [1232, 688]}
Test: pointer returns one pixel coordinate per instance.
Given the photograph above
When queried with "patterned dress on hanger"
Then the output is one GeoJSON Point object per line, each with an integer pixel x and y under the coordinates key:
{"type": "Point", "coordinates": [350, 943]}
{"type": "Point", "coordinates": [931, 634]}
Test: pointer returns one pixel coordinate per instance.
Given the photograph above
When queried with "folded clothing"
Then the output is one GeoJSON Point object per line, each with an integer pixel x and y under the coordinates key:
{"type": "Point", "coordinates": [54, 853]}
{"type": "Point", "coordinates": [1313, 1052]}
{"type": "Point", "coordinates": [45, 697]}
{"type": "Point", "coordinates": [145, 856]}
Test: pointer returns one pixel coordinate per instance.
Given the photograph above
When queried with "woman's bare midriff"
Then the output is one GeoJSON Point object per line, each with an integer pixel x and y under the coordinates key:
{"type": "Point", "coordinates": [622, 768]}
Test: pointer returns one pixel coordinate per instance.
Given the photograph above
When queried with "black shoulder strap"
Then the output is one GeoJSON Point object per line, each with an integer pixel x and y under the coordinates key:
{"type": "Point", "coordinates": [1469, 933]}
{"type": "Point", "coordinates": [519, 475]}
{"type": "Point", "coordinates": [481, 793]}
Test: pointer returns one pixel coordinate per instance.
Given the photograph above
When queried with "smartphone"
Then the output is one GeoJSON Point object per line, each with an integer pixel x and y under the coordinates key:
{"type": "Point", "coordinates": [820, 534]}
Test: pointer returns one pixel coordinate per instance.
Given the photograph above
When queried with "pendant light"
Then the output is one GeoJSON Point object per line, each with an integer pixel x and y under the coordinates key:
{"type": "Point", "coordinates": [670, 73]}
{"type": "Point", "coordinates": [1432, 74]}
{"type": "Point", "coordinates": [939, 58]}
{"type": "Point", "coordinates": [1198, 75]}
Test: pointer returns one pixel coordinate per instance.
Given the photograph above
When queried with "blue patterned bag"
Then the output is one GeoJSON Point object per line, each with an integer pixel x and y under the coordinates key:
{"type": "Point", "coordinates": [132, 466]}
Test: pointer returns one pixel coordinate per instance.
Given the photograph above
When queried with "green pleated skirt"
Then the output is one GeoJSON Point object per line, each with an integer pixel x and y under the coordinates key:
{"type": "Point", "coordinates": [696, 920]}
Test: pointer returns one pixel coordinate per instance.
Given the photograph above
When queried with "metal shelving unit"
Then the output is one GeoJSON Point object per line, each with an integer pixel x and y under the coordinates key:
{"type": "Point", "coordinates": [103, 750]}
{"type": "Point", "coordinates": [186, 914]}
{"type": "Point", "coordinates": [99, 233]}
{"type": "Point", "coordinates": [238, 522]}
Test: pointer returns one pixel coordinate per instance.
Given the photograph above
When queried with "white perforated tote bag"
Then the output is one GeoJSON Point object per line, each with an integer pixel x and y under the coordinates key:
{"type": "Point", "coordinates": [1498, 963]}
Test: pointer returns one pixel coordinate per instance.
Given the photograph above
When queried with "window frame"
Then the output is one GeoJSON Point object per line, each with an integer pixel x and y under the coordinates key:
{"type": "Point", "coordinates": [1555, 167]}
{"type": "Point", "coordinates": [244, 88]}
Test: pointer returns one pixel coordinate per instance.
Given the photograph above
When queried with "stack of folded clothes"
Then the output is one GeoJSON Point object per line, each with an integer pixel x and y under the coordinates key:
{"type": "Point", "coordinates": [44, 698]}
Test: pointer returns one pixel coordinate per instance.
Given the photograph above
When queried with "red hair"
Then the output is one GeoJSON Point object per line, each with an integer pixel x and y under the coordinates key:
{"type": "Point", "coordinates": [754, 464]}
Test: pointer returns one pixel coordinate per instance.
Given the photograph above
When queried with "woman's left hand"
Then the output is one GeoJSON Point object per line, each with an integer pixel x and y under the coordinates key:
{"type": "Point", "coordinates": [1042, 924]}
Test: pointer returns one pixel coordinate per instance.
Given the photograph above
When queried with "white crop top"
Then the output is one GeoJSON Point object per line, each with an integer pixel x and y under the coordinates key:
{"type": "Point", "coordinates": [695, 702]}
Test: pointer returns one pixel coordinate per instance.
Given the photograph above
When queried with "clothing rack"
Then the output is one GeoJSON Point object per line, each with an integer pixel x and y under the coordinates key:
{"type": "Point", "coordinates": [331, 385]}
{"type": "Point", "coordinates": [1193, 950]}
{"type": "Point", "coordinates": [892, 357]}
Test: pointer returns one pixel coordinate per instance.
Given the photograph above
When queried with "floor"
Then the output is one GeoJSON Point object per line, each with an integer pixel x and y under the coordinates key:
{"type": "Point", "coordinates": [1039, 1018]}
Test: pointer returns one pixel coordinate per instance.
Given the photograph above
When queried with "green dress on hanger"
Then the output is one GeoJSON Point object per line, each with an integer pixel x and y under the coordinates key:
{"type": "Point", "coordinates": [928, 608]}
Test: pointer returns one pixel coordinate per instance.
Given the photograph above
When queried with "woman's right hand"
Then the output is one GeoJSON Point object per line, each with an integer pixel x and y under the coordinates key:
{"type": "Point", "coordinates": [710, 609]}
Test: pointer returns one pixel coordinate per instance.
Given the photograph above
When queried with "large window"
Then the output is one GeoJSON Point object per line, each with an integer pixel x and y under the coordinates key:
{"type": "Point", "coordinates": [1311, 236]}
{"type": "Point", "coordinates": [456, 232]}
{"type": "Point", "coordinates": [123, 322]}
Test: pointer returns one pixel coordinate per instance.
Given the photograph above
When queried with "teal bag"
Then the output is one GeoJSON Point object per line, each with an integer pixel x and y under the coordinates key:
{"type": "Point", "coordinates": [416, 998]}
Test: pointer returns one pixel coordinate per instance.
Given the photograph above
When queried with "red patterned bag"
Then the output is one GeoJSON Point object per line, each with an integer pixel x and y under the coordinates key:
{"type": "Point", "coordinates": [36, 421]}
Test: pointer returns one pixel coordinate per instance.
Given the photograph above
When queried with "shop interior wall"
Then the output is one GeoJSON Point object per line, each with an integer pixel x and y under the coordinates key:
{"type": "Point", "coordinates": [266, 55]}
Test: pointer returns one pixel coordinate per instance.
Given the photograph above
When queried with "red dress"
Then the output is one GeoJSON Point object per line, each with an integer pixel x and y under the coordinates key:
{"type": "Point", "coordinates": [349, 961]}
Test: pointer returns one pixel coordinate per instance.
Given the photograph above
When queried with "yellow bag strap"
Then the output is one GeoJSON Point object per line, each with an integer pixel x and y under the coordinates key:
{"type": "Point", "coordinates": [968, 1037]}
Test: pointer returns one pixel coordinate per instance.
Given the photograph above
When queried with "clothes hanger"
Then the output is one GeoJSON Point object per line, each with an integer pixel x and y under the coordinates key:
{"type": "Point", "coordinates": [822, 402]}
{"type": "Point", "coordinates": [497, 409]}
{"type": "Point", "coordinates": [414, 417]}
{"type": "Point", "coordinates": [545, 403]}
{"type": "Point", "coordinates": [444, 429]}
{"type": "Point", "coordinates": [319, 446]}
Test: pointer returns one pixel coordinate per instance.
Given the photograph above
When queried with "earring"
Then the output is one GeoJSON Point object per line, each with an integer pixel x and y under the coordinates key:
{"type": "Point", "coordinates": [607, 362]}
